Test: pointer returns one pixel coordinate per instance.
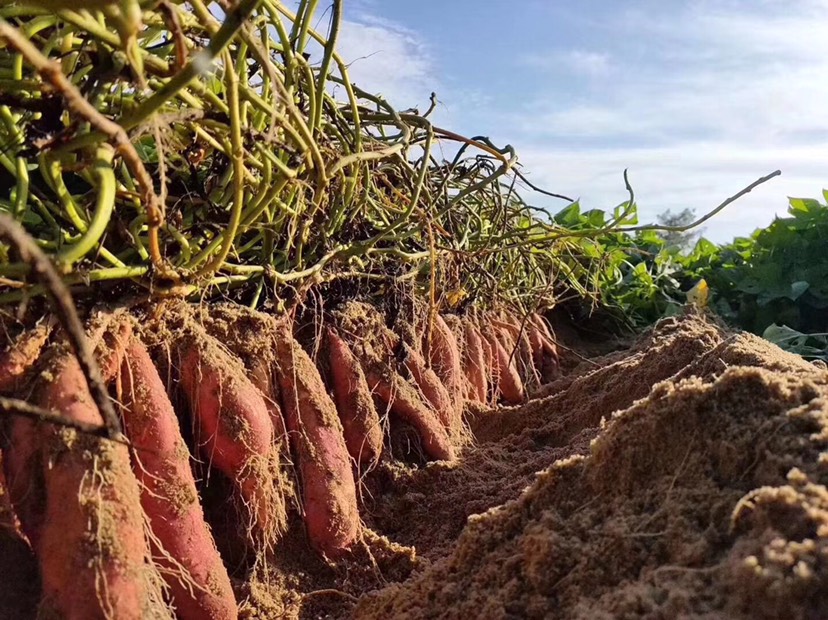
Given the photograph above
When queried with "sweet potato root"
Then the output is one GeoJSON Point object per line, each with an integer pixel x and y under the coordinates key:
{"type": "Point", "coordinates": [474, 363]}
{"type": "Point", "coordinates": [23, 465]}
{"type": "Point", "coordinates": [328, 489]}
{"type": "Point", "coordinates": [431, 387]}
{"type": "Point", "coordinates": [234, 430]}
{"type": "Point", "coordinates": [261, 376]}
{"type": "Point", "coordinates": [404, 401]}
{"type": "Point", "coordinates": [19, 358]}
{"type": "Point", "coordinates": [444, 358]}
{"type": "Point", "coordinates": [185, 549]}
{"type": "Point", "coordinates": [91, 494]}
{"type": "Point", "coordinates": [360, 421]}
{"type": "Point", "coordinates": [492, 368]}
{"type": "Point", "coordinates": [509, 384]}
{"type": "Point", "coordinates": [517, 344]}
{"type": "Point", "coordinates": [379, 351]}
{"type": "Point", "coordinates": [23, 470]}
{"type": "Point", "coordinates": [550, 362]}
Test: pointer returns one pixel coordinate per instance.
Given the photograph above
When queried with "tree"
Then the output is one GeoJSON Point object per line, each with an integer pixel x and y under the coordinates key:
{"type": "Point", "coordinates": [674, 239]}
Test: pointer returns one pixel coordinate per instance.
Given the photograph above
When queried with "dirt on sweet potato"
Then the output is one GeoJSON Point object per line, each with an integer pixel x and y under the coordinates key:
{"type": "Point", "coordinates": [681, 476]}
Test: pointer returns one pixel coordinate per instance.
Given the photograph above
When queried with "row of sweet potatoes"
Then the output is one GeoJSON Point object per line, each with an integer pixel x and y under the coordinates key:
{"type": "Point", "coordinates": [118, 528]}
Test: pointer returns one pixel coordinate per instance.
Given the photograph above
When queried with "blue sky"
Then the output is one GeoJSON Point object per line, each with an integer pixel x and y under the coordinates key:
{"type": "Point", "coordinates": [697, 98]}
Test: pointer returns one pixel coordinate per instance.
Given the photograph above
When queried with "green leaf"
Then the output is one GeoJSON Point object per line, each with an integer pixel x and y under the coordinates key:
{"type": "Point", "coordinates": [798, 288]}
{"type": "Point", "coordinates": [569, 216]}
{"type": "Point", "coordinates": [803, 205]}
{"type": "Point", "coordinates": [631, 219]}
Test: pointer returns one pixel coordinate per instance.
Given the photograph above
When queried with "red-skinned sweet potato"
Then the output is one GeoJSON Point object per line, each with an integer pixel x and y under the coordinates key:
{"type": "Point", "coordinates": [234, 431]}
{"type": "Point", "coordinates": [328, 489]}
{"type": "Point", "coordinates": [404, 401]}
{"type": "Point", "coordinates": [474, 363]}
{"type": "Point", "coordinates": [509, 385]}
{"type": "Point", "coordinates": [431, 387]}
{"type": "Point", "coordinates": [444, 358]}
{"type": "Point", "coordinates": [91, 494]}
{"type": "Point", "coordinates": [360, 421]}
{"type": "Point", "coordinates": [185, 549]}
{"type": "Point", "coordinates": [550, 364]}
{"type": "Point", "coordinates": [19, 358]}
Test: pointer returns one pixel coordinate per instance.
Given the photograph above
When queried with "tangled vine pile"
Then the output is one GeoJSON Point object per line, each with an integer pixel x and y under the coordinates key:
{"type": "Point", "coordinates": [204, 148]}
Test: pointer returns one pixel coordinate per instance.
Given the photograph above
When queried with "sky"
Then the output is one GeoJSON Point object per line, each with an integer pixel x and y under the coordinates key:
{"type": "Point", "coordinates": [696, 98]}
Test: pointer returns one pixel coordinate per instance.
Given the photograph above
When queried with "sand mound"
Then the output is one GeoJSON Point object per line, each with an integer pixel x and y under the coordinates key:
{"type": "Point", "coordinates": [705, 497]}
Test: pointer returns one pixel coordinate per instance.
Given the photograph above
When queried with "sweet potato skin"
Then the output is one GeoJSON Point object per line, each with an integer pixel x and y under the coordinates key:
{"type": "Point", "coordinates": [403, 400]}
{"type": "Point", "coordinates": [19, 358]}
{"type": "Point", "coordinates": [91, 493]}
{"type": "Point", "coordinates": [444, 358]}
{"type": "Point", "coordinates": [169, 496]}
{"type": "Point", "coordinates": [550, 361]}
{"type": "Point", "coordinates": [222, 400]}
{"type": "Point", "coordinates": [328, 488]}
{"type": "Point", "coordinates": [430, 386]}
{"type": "Point", "coordinates": [234, 431]}
{"type": "Point", "coordinates": [509, 384]}
{"type": "Point", "coordinates": [23, 465]}
{"type": "Point", "coordinates": [23, 470]}
{"type": "Point", "coordinates": [474, 363]}
{"type": "Point", "coordinates": [360, 421]}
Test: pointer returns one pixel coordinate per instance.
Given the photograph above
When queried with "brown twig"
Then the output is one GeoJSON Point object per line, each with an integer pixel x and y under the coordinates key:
{"type": "Point", "coordinates": [64, 308]}
{"type": "Point", "coordinates": [710, 213]}
{"type": "Point", "coordinates": [174, 26]}
{"type": "Point", "coordinates": [50, 71]}
{"type": "Point", "coordinates": [14, 406]}
{"type": "Point", "coordinates": [540, 190]}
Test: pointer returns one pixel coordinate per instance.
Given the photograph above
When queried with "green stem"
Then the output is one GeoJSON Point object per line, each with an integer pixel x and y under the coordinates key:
{"type": "Point", "coordinates": [103, 209]}
{"type": "Point", "coordinates": [237, 158]}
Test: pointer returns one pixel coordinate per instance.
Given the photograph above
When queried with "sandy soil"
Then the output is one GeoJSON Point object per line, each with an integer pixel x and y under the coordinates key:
{"type": "Point", "coordinates": [683, 476]}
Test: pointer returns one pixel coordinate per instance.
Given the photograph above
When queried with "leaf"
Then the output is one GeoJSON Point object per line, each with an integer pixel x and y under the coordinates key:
{"type": "Point", "coordinates": [631, 219]}
{"type": "Point", "coordinates": [798, 288]}
{"type": "Point", "coordinates": [569, 216]}
{"type": "Point", "coordinates": [595, 218]}
{"type": "Point", "coordinates": [803, 205]}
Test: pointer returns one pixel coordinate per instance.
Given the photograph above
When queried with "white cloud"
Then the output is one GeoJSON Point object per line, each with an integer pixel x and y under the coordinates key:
{"type": "Point", "coordinates": [387, 59]}
{"type": "Point", "coordinates": [576, 61]}
{"type": "Point", "coordinates": [698, 176]}
{"type": "Point", "coordinates": [703, 100]}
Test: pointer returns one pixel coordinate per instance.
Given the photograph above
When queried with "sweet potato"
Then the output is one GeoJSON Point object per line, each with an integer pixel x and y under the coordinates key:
{"type": "Point", "coordinates": [16, 361]}
{"type": "Point", "coordinates": [8, 519]}
{"type": "Point", "coordinates": [509, 384]}
{"type": "Point", "coordinates": [234, 429]}
{"type": "Point", "coordinates": [261, 375]}
{"type": "Point", "coordinates": [23, 465]}
{"type": "Point", "coordinates": [374, 345]}
{"type": "Point", "coordinates": [474, 363]}
{"type": "Point", "coordinates": [404, 401]}
{"type": "Point", "coordinates": [444, 358]}
{"type": "Point", "coordinates": [518, 346]}
{"type": "Point", "coordinates": [328, 489]}
{"type": "Point", "coordinates": [492, 369]}
{"type": "Point", "coordinates": [536, 342]}
{"type": "Point", "coordinates": [91, 494]}
{"type": "Point", "coordinates": [184, 547]}
{"type": "Point", "coordinates": [360, 421]}
{"type": "Point", "coordinates": [550, 364]}
{"type": "Point", "coordinates": [248, 335]}
{"type": "Point", "coordinates": [431, 387]}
